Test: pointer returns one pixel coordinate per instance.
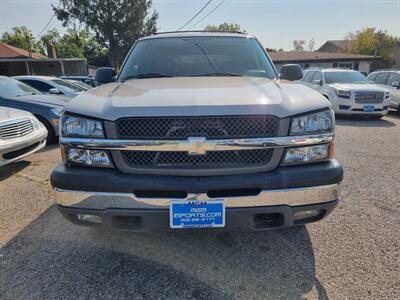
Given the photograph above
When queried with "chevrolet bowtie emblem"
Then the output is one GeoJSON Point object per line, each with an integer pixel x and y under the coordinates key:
{"type": "Point", "coordinates": [197, 145]}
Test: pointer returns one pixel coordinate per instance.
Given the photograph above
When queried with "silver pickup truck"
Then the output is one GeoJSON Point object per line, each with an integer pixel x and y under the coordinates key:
{"type": "Point", "coordinates": [197, 130]}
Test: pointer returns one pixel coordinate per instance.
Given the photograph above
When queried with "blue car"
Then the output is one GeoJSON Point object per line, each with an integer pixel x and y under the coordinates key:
{"type": "Point", "coordinates": [46, 108]}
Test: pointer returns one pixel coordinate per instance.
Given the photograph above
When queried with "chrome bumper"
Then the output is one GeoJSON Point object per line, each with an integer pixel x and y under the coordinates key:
{"type": "Point", "coordinates": [289, 197]}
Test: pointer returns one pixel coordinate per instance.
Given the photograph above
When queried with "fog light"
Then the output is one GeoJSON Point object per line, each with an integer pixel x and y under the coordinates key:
{"type": "Point", "coordinates": [306, 154]}
{"type": "Point", "coordinates": [89, 218]}
{"type": "Point", "coordinates": [96, 158]}
{"type": "Point", "coordinates": [306, 214]}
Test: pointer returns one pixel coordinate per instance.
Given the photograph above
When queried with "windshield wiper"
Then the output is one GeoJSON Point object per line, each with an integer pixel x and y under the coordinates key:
{"type": "Point", "coordinates": [217, 74]}
{"type": "Point", "coordinates": [147, 75]}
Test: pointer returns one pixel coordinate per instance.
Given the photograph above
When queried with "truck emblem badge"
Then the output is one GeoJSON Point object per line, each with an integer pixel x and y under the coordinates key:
{"type": "Point", "coordinates": [197, 145]}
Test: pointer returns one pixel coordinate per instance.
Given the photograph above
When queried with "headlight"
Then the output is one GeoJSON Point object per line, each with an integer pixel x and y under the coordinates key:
{"type": "Point", "coordinates": [387, 95]}
{"type": "Point", "coordinates": [94, 158]}
{"type": "Point", "coordinates": [320, 122]}
{"type": "Point", "coordinates": [307, 154]}
{"type": "Point", "coordinates": [57, 111]}
{"type": "Point", "coordinates": [72, 126]}
{"type": "Point", "coordinates": [343, 94]}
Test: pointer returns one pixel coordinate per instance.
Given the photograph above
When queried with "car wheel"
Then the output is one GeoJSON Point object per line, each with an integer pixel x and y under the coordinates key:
{"type": "Point", "coordinates": [51, 137]}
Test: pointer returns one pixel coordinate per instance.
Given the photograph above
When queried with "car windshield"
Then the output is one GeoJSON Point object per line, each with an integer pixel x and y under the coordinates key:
{"type": "Point", "coordinates": [71, 87]}
{"type": "Point", "coordinates": [10, 87]}
{"type": "Point", "coordinates": [345, 77]}
{"type": "Point", "coordinates": [197, 56]}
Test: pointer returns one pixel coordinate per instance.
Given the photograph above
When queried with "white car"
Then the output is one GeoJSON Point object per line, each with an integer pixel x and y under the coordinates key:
{"type": "Point", "coordinates": [389, 79]}
{"type": "Point", "coordinates": [21, 134]}
{"type": "Point", "coordinates": [349, 91]}
{"type": "Point", "coordinates": [52, 85]}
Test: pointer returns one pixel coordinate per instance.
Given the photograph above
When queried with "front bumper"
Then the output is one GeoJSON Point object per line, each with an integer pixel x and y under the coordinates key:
{"type": "Point", "coordinates": [114, 196]}
{"type": "Point", "coordinates": [351, 107]}
{"type": "Point", "coordinates": [15, 149]}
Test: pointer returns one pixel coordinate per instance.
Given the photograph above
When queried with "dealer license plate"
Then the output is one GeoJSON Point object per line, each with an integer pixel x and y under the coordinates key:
{"type": "Point", "coordinates": [369, 108]}
{"type": "Point", "coordinates": [197, 214]}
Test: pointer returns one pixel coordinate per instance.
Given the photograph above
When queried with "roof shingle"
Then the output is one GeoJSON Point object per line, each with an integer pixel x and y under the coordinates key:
{"type": "Point", "coordinates": [7, 51]}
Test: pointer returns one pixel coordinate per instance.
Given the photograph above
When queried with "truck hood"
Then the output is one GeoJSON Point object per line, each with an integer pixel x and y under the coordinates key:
{"type": "Point", "coordinates": [7, 114]}
{"type": "Point", "coordinates": [47, 100]}
{"type": "Point", "coordinates": [364, 87]}
{"type": "Point", "coordinates": [196, 96]}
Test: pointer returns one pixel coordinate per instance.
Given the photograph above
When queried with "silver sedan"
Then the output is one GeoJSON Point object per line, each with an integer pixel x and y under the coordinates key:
{"type": "Point", "coordinates": [21, 134]}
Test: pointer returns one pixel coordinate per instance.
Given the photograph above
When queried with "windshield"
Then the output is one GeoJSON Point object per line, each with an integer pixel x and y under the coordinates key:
{"type": "Point", "coordinates": [345, 77]}
{"type": "Point", "coordinates": [197, 56]}
{"type": "Point", "coordinates": [13, 88]}
{"type": "Point", "coordinates": [71, 87]}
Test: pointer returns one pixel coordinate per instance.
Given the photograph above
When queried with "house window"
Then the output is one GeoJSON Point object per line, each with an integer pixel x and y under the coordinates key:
{"type": "Point", "coordinates": [346, 65]}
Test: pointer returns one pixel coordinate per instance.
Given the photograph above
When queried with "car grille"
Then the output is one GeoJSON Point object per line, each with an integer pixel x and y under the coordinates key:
{"type": "Point", "coordinates": [369, 97]}
{"type": "Point", "coordinates": [15, 129]}
{"type": "Point", "coordinates": [181, 129]}
{"type": "Point", "coordinates": [209, 127]}
{"type": "Point", "coordinates": [183, 160]}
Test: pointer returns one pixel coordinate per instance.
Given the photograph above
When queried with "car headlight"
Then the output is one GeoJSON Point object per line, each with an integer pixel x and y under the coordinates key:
{"type": "Point", "coordinates": [308, 154]}
{"type": "Point", "coordinates": [343, 94]}
{"type": "Point", "coordinates": [387, 95]}
{"type": "Point", "coordinates": [92, 158]}
{"type": "Point", "coordinates": [315, 123]}
{"type": "Point", "coordinates": [57, 111]}
{"type": "Point", "coordinates": [72, 126]}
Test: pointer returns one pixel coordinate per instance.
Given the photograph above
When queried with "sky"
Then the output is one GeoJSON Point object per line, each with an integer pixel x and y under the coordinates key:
{"type": "Point", "coordinates": [275, 23]}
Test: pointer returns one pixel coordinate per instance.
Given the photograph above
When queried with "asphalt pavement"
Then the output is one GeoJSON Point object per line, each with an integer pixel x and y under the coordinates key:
{"type": "Point", "coordinates": [353, 254]}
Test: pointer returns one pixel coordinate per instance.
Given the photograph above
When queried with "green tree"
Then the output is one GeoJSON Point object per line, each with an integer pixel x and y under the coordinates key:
{"type": "Point", "coordinates": [370, 41]}
{"type": "Point", "coordinates": [298, 45]}
{"type": "Point", "coordinates": [225, 27]}
{"type": "Point", "coordinates": [22, 37]}
{"type": "Point", "coordinates": [77, 44]}
{"type": "Point", "coordinates": [116, 24]}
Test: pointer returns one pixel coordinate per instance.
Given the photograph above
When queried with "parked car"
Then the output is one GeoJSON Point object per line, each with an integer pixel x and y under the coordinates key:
{"type": "Point", "coordinates": [349, 91]}
{"type": "Point", "coordinates": [47, 108]}
{"type": "Point", "coordinates": [389, 79]}
{"type": "Point", "coordinates": [85, 79]}
{"type": "Point", "coordinates": [79, 84]}
{"type": "Point", "coordinates": [51, 85]}
{"type": "Point", "coordinates": [21, 134]}
{"type": "Point", "coordinates": [188, 138]}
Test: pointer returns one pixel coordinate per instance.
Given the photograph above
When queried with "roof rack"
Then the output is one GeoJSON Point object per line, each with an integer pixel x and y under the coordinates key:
{"type": "Point", "coordinates": [199, 31]}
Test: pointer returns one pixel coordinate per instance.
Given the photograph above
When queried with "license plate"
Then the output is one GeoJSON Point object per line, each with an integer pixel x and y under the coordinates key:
{"type": "Point", "coordinates": [368, 108]}
{"type": "Point", "coordinates": [197, 214]}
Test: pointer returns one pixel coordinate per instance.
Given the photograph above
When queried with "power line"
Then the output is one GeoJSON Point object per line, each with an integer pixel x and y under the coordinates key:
{"type": "Point", "coordinates": [48, 23]}
{"type": "Point", "coordinates": [207, 14]}
{"type": "Point", "coordinates": [191, 19]}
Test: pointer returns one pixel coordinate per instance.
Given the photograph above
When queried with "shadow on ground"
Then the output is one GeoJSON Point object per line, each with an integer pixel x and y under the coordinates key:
{"type": "Point", "coordinates": [13, 168]}
{"type": "Point", "coordinates": [52, 258]}
{"type": "Point", "coordinates": [361, 121]}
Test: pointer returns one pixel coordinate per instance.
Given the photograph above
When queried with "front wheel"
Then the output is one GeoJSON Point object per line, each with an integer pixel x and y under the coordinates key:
{"type": "Point", "coordinates": [51, 137]}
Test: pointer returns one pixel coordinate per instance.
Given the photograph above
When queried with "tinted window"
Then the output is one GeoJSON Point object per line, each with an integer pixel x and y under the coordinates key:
{"type": "Point", "coordinates": [393, 78]}
{"type": "Point", "coordinates": [12, 88]}
{"type": "Point", "coordinates": [69, 86]}
{"type": "Point", "coordinates": [308, 77]}
{"type": "Point", "coordinates": [381, 78]}
{"type": "Point", "coordinates": [198, 56]}
{"type": "Point", "coordinates": [345, 77]}
{"type": "Point", "coordinates": [41, 86]}
{"type": "Point", "coordinates": [372, 76]}
{"type": "Point", "coordinates": [317, 76]}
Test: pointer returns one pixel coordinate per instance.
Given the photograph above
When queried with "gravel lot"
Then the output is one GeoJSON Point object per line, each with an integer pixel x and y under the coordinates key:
{"type": "Point", "coordinates": [353, 254]}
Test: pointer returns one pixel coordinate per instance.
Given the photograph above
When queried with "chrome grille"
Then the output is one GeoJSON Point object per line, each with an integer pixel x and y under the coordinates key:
{"type": "Point", "coordinates": [181, 128]}
{"type": "Point", "coordinates": [182, 160]}
{"type": "Point", "coordinates": [369, 97]}
{"type": "Point", "coordinates": [15, 129]}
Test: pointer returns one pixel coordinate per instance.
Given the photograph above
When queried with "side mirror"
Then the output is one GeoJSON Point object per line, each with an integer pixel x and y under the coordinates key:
{"type": "Point", "coordinates": [105, 75]}
{"type": "Point", "coordinates": [54, 91]}
{"type": "Point", "coordinates": [291, 72]}
{"type": "Point", "coordinates": [396, 84]}
{"type": "Point", "coordinates": [317, 82]}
